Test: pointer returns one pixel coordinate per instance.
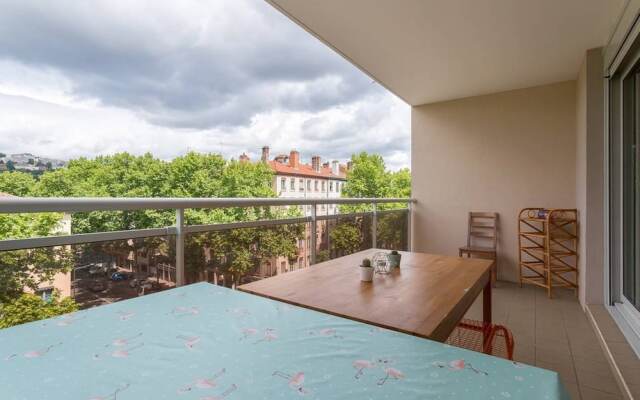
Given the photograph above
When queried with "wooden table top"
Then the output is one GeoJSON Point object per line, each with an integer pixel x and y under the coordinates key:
{"type": "Point", "coordinates": [427, 296]}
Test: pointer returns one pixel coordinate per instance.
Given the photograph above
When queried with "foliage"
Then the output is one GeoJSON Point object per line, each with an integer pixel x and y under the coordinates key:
{"type": "Point", "coordinates": [369, 177]}
{"type": "Point", "coordinates": [29, 307]}
{"type": "Point", "coordinates": [17, 183]}
{"type": "Point", "coordinates": [27, 268]}
{"type": "Point", "coordinates": [345, 238]}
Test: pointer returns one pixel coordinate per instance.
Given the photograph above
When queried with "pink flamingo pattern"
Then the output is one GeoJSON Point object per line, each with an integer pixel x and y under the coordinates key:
{"type": "Point", "coordinates": [459, 365]}
{"type": "Point", "coordinates": [190, 342]}
{"type": "Point", "coordinates": [361, 365]}
{"type": "Point", "coordinates": [120, 352]}
{"type": "Point", "coordinates": [120, 343]}
{"type": "Point", "coordinates": [326, 332]}
{"type": "Point", "coordinates": [295, 381]}
{"type": "Point", "coordinates": [185, 311]}
{"type": "Point", "coordinates": [69, 319]}
{"type": "Point", "coordinates": [41, 352]}
{"type": "Point", "coordinates": [125, 315]}
{"type": "Point", "coordinates": [238, 312]}
{"type": "Point", "coordinates": [203, 383]}
{"type": "Point", "coordinates": [223, 395]}
{"type": "Point", "coordinates": [113, 395]}
{"type": "Point", "coordinates": [248, 332]}
{"type": "Point", "coordinates": [269, 336]}
{"type": "Point", "coordinates": [390, 373]}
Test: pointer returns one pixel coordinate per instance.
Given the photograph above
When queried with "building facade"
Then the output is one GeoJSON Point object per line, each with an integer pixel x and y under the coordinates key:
{"type": "Point", "coordinates": [295, 179]}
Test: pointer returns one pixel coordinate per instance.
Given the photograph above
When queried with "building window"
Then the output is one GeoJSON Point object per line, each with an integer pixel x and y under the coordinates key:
{"type": "Point", "coordinates": [283, 266]}
{"type": "Point", "coordinates": [283, 184]}
{"type": "Point", "coordinates": [316, 185]}
{"type": "Point", "coordinates": [331, 186]}
{"type": "Point", "coordinates": [293, 184]}
{"type": "Point", "coordinates": [301, 186]}
{"type": "Point", "coordinates": [337, 187]}
{"type": "Point", "coordinates": [46, 294]}
{"type": "Point", "coordinates": [308, 185]}
{"type": "Point", "coordinates": [324, 186]}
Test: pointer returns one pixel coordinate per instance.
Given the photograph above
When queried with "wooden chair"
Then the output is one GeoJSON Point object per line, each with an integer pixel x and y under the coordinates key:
{"type": "Point", "coordinates": [482, 239]}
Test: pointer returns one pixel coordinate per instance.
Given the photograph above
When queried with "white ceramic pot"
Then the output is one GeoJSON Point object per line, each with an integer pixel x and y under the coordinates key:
{"type": "Point", "coordinates": [366, 274]}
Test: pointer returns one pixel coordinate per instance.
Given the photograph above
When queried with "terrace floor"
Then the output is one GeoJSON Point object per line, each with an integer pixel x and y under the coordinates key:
{"type": "Point", "coordinates": [553, 334]}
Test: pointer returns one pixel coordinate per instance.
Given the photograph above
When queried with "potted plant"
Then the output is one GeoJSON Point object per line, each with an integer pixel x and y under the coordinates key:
{"type": "Point", "coordinates": [394, 259]}
{"type": "Point", "coordinates": [366, 270]}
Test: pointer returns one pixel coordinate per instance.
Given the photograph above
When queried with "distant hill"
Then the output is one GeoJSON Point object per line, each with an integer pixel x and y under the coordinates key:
{"type": "Point", "coordinates": [28, 162]}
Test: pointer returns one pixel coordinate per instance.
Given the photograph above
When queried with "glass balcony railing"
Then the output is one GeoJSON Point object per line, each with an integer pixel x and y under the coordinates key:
{"type": "Point", "coordinates": [222, 241]}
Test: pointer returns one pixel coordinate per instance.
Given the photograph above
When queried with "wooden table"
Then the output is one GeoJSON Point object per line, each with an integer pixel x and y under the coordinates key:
{"type": "Point", "coordinates": [427, 296]}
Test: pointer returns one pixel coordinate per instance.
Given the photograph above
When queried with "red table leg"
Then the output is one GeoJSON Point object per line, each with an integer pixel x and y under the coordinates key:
{"type": "Point", "coordinates": [486, 317]}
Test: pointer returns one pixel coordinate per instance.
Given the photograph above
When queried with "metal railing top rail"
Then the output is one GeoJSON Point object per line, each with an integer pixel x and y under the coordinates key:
{"type": "Point", "coordinates": [12, 205]}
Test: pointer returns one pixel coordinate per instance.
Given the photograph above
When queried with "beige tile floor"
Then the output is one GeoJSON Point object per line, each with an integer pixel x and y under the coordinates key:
{"type": "Point", "coordinates": [553, 334]}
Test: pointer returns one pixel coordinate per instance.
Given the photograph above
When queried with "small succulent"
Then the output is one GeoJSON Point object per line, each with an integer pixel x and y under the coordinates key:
{"type": "Point", "coordinates": [394, 253]}
{"type": "Point", "coordinates": [366, 263]}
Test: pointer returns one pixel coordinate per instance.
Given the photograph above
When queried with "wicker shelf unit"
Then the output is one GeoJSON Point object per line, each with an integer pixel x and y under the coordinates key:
{"type": "Point", "coordinates": [548, 240]}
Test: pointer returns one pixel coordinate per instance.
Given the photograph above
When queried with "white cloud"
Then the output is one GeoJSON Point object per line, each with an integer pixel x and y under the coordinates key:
{"type": "Point", "coordinates": [166, 78]}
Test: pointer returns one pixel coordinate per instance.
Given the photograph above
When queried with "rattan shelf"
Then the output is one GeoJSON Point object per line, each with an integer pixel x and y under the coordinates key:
{"type": "Point", "coordinates": [548, 241]}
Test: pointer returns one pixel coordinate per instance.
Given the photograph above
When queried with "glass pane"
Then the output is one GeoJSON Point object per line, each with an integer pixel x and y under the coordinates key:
{"type": "Point", "coordinates": [392, 230]}
{"type": "Point", "coordinates": [44, 282]}
{"type": "Point", "coordinates": [236, 256]}
{"type": "Point", "coordinates": [631, 197]}
{"type": "Point", "coordinates": [348, 234]}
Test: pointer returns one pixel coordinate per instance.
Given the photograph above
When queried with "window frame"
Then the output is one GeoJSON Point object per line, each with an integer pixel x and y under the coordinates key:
{"type": "Point", "coordinates": [622, 114]}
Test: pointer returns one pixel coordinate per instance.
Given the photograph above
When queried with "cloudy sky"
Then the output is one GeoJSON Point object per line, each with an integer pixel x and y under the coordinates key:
{"type": "Point", "coordinates": [82, 78]}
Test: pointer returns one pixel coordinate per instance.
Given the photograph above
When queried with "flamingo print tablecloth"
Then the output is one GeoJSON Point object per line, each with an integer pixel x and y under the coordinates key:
{"type": "Point", "coordinates": [204, 342]}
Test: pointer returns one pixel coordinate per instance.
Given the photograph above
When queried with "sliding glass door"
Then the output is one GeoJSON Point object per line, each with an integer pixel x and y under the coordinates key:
{"type": "Point", "coordinates": [624, 189]}
{"type": "Point", "coordinates": [630, 268]}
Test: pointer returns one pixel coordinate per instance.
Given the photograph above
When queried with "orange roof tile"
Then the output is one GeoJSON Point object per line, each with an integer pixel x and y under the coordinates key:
{"type": "Point", "coordinates": [305, 170]}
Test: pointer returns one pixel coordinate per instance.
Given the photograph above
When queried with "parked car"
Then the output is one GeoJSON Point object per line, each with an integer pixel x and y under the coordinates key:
{"type": "Point", "coordinates": [120, 276]}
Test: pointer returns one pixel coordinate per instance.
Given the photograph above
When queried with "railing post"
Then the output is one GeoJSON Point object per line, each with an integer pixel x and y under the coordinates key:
{"type": "Point", "coordinates": [409, 218]}
{"type": "Point", "coordinates": [180, 247]}
{"type": "Point", "coordinates": [314, 233]}
{"type": "Point", "coordinates": [374, 226]}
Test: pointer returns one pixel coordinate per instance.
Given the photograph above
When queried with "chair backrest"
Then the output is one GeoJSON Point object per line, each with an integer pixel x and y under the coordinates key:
{"type": "Point", "coordinates": [483, 226]}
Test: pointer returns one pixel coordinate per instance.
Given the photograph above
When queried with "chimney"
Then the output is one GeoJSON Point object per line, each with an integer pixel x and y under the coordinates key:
{"type": "Point", "coordinates": [265, 154]}
{"type": "Point", "coordinates": [244, 157]}
{"type": "Point", "coordinates": [326, 164]}
{"type": "Point", "coordinates": [315, 163]}
{"type": "Point", "coordinates": [294, 159]}
{"type": "Point", "coordinates": [335, 167]}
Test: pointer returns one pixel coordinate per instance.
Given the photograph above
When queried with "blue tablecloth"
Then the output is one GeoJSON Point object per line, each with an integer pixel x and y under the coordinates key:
{"type": "Point", "coordinates": [204, 342]}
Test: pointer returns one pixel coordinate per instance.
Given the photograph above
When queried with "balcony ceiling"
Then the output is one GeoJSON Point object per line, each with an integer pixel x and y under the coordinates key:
{"type": "Point", "coordinates": [427, 51]}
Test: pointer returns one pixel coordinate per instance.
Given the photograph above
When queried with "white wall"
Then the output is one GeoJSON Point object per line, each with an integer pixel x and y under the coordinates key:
{"type": "Point", "coordinates": [590, 176]}
{"type": "Point", "coordinates": [500, 152]}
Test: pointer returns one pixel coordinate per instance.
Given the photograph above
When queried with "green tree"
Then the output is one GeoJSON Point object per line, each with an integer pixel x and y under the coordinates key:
{"type": "Point", "coordinates": [17, 183]}
{"type": "Point", "coordinates": [369, 177]}
{"type": "Point", "coordinates": [11, 165]}
{"type": "Point", "coordinates": [29, 307]}
{"type": "Point", "coordinates": [346, 238]}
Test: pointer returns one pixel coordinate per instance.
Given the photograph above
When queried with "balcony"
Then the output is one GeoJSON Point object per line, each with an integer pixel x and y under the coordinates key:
{"type": "Point", "coordinates": [552, 334]}
{"type": "Point", "coordinates": [514, 105]}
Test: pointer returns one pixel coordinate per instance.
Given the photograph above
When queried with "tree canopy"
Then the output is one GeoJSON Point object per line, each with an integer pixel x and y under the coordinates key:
{"type": "Point", "coordinates": [369, 177]}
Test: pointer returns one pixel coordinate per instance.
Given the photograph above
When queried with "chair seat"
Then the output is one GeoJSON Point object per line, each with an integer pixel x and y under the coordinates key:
{"type": "Point", "coordinates": [477, 249]}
